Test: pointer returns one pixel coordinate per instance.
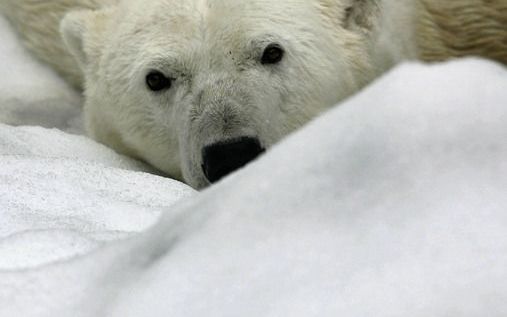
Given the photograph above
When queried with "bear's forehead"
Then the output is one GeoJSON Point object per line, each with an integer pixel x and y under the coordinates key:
{"type": "Point", "coordinates": [198, 17]}
{"type": "Point", "coordinates": [209, 30]}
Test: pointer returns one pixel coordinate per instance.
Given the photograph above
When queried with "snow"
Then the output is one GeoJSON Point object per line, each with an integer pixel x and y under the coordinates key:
{"type": "Point", "coordinates": [392, 204]}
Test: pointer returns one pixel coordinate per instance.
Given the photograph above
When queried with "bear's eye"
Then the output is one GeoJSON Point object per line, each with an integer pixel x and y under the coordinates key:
{"type": "Point", "coordinates": [157, 81]}
{"type": "Point", "coordinates": [273, 54]}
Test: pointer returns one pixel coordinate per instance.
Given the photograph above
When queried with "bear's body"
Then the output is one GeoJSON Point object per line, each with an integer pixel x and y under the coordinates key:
{"type": "Point", "coordinates": [238, 75]}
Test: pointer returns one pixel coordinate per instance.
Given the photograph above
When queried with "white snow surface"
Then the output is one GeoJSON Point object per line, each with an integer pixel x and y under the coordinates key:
{"type": "Point", "coordinates": [392, 204]}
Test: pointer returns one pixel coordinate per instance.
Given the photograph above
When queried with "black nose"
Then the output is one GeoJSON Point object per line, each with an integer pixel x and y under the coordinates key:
{"type": "Point", "coordinates": [221, 159]}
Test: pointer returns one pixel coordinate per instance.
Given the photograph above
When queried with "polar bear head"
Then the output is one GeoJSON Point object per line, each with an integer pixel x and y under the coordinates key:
{"type": "Point", "coordinates": [198, 88]}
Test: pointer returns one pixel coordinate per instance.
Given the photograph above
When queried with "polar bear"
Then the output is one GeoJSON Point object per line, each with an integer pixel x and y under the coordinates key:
{"type": "Point", "coordinates": [199, 88]}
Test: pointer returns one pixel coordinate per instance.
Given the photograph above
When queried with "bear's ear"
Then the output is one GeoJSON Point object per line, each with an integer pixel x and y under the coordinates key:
{"type": "Point", "coordinates": [80, 31]}
{"type": "Point", "coordinates": [361, 14]}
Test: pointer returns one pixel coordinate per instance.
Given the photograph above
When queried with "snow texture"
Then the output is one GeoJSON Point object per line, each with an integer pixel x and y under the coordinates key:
{"type": "Point", "coordinates": [392, 204]}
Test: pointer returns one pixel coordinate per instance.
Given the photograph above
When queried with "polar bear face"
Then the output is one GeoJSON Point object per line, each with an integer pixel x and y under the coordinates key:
{"type": "Point", "coordinates": [199, 88]}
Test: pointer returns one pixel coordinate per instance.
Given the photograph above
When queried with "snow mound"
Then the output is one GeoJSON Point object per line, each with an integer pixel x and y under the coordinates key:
{"type": "Point", "coordinates": [392, 204]}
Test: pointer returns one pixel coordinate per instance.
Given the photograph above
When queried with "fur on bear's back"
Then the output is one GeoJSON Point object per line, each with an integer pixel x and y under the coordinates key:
{"type": "Point", "coordinates": [460, 28]}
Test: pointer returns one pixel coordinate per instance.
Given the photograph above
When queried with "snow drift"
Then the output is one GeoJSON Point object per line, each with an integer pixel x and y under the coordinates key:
{"type": "Point", "coordinates": [392, 204]}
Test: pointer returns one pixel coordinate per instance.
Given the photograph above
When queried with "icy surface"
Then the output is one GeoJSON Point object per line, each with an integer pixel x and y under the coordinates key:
{"type": "Point", "coordinates": [392, 204]}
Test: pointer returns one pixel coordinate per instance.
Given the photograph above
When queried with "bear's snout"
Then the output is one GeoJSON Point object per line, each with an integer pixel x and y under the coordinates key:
{"type": "Point", "coordinates": [222, 158]}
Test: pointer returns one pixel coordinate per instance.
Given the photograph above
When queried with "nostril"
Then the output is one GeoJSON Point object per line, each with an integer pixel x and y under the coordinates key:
{"type": "Point", "coordinates": [221, 159]}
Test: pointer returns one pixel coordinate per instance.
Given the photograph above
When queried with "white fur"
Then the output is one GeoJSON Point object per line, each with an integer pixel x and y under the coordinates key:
{"type": "Point", "coordinates": [212, 49]}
